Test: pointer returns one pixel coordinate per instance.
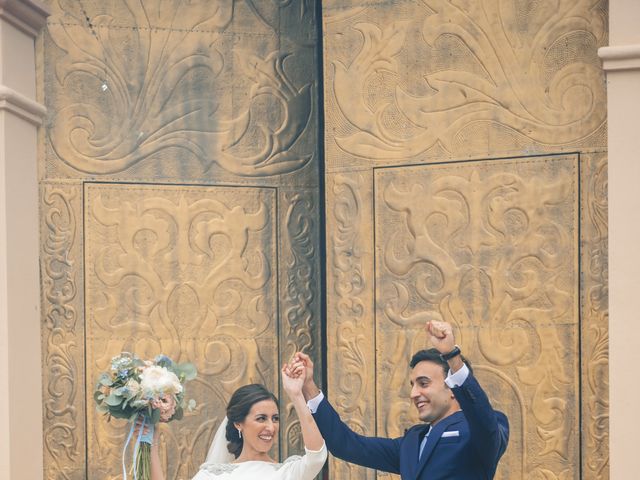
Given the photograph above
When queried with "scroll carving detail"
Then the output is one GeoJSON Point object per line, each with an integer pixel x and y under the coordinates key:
{"type": "Point", "coordinates": [596, 313]}
{"type": "Point", "coordinates": [351, 388]}
{"type": "Point", "coordinates": [167, 89]}
{"type": "Point", "coordinates": [301, 321]}
{"type": "Point", "coordinates": [464, 77]}
{"type": "Point", "coordinates": [62, 334]}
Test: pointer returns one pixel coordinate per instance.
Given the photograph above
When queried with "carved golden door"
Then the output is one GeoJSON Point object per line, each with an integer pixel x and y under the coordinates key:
{"type": "Point", "coordinates": [466, 181]}
{"type": "Point", "coordinates": [180, 211]}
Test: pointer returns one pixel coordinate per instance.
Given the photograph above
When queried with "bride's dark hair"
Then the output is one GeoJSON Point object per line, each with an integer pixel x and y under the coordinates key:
{"type": "Point", "coordinates": [239, 406]}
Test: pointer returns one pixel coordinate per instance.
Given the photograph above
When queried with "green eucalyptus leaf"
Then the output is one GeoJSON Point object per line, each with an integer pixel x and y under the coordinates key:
{"type": "Point", "coordinates": [187, 371]}
{"type": "Point", "coordinates": [113, 400]}
{"type": "Point", "coordinates": [105, 379]}
{"type": "Point", "coordinates": [119, 413]}
{"type": "Point", "coordinates": [179, 414]}
{"type": "Point", "coordinates": [118, 391]}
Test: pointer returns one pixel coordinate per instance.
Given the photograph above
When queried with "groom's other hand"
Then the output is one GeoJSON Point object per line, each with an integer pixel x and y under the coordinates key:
{"type": "Point", "coordinates": [441, 337]}
{"type": "Point", "coordinates": [309, 388]}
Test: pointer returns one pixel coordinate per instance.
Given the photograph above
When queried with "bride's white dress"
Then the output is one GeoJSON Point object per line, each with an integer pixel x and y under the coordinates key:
{"type": "Point", "coordinates": [219, 464]}
{"type": "Point", "coordinates": [296, 467]}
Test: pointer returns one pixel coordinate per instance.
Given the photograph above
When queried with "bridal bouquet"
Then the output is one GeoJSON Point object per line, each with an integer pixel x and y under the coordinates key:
{"type": "Point", "coordinates": [146, 392]}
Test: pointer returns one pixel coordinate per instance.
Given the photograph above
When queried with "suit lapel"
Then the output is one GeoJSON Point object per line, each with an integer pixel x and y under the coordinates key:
{"type": "Point", "coordinates": [434, 438]}
{"type": "Point", "coordinates": [413, 447]}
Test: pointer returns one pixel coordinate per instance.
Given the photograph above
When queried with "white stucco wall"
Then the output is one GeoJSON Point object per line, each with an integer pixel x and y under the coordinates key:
{"type": "Point", "coordinates": [621, 61]}
{"type": "Point", "coordinates": [20, 363]}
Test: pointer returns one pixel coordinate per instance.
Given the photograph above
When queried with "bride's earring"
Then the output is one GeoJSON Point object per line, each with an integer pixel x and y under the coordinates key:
{"type": "Point", "coordinates": [240, 434]}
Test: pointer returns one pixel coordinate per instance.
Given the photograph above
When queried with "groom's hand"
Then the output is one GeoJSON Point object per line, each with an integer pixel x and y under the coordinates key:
{"type": "Point", "coordinates": [309, 388]}
{"type": "Point", "coordinates": [441, 337]}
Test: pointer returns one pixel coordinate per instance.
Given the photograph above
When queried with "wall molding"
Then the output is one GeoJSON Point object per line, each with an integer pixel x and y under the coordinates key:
{"type": "Point", "coordinates": [21, 106]}
{"type": "Point", "coordinates": [620, 57]}
{"type": "Point", "coordinates": [27, 15]}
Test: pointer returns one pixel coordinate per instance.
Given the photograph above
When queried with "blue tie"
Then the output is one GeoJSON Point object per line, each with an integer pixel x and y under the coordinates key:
{"type": "Point", "coordinates": [423, 443]}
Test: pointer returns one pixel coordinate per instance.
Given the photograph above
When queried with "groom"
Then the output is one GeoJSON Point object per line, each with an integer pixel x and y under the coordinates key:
{"type": "Point", "coordinates": [462, 437]}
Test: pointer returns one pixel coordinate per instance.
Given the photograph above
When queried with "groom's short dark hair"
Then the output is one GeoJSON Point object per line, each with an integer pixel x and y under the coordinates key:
{"type": "Point", "coordinates": [433, 355]}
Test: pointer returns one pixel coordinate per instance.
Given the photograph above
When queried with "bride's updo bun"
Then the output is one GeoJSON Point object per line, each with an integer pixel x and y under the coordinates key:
{"type": "Point", "coordinates": [239, 406]}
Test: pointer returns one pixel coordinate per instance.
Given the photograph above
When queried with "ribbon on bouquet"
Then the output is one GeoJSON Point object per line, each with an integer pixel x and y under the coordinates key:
{"type": "Point", "coordinates": [142, 438]}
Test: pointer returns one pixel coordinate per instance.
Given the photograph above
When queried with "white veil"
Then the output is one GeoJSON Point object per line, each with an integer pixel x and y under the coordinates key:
{"type": "Point", "coordinates": [218, 452]}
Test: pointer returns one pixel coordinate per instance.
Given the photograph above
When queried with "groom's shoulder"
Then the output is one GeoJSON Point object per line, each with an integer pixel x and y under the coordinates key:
{"type": "Point", "coordinates": [415, 429]}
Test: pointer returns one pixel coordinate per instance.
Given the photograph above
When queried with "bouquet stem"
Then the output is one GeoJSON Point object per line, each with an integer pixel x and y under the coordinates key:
{"type": "Point", "coordinates": [143, 462]}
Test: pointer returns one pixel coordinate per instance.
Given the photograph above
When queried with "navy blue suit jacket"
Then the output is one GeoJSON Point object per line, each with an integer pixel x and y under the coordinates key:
{"type": "Point", "coordinates": [477, 438]}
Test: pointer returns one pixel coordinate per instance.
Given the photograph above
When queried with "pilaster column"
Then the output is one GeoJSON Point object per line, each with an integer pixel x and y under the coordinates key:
{"type": "Point", "coordinates": [20, 364]}
{"type": "Point", "coordinates": [621, 62]}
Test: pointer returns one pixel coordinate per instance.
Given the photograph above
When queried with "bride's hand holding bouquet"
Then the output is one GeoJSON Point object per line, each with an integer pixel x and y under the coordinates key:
{"type": "Point", "coordinates": [144, 392]}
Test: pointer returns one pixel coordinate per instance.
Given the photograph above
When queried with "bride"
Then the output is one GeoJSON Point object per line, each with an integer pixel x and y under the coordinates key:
{"type": "Point", "coordinates": [240, 448]}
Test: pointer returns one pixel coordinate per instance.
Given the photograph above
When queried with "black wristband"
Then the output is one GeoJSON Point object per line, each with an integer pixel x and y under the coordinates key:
{"type": "Point", "coordinates": [453, 353]}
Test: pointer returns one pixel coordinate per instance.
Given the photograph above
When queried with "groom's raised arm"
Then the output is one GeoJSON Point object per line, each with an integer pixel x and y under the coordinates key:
{"type": "Point", "coordinates": [372, 452]}
{"type": "Point", "coordinates": [489, 428]}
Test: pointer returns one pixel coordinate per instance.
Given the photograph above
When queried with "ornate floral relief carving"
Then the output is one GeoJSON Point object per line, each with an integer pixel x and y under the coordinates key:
{"type": "Point", "coordinates": [350, 317]}
{"type": "Point", "coordinates": [186, 272]}
{"type": "Point", "coordinates": [596, 320]}
{"type": "Point", "coordinates": [129, 95]}
{"type": "Point", "coordinates": [349, 284]}
{"type": "Point", "coordinates": [484, 76]}
{"type": "Point", "coordinates": [300, 325]}
{"type": "Point", "coordinates": [301, 273]}
{"type": "Point", "coordinates": [62, 334]}
{"type": "Point", "coordinates": [491, 247]}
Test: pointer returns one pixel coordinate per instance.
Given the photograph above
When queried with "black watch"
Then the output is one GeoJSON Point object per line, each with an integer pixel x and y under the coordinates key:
{"type": "Point", "coordinates": [453, 353]}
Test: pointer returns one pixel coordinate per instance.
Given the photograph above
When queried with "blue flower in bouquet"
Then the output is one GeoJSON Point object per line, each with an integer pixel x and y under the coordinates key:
{"type": "Point", "coordinates": [123, 361]}
{"type": "Point", "coordinates": [163, 361]}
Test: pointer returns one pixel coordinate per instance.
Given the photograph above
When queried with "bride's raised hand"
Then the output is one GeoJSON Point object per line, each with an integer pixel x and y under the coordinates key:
{"type": "Point", "coordinates": [292, 378]}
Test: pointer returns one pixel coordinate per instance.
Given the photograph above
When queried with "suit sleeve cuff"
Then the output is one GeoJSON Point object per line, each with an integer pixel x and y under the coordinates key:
{"type": "Point", "coordinates": [458, 378]}
{"type": "Point", "coordinates": [314, 402]}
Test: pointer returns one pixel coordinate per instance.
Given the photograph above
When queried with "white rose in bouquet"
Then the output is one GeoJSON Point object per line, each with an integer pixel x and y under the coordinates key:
{"type": "Point", "coordinates": [157, 380]}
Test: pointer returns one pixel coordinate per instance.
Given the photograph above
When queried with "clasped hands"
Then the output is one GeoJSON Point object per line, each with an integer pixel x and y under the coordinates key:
{"type": "Point", "coordinates": [295, 374]}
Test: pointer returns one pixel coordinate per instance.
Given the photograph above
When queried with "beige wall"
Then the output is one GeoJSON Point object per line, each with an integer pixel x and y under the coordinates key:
{"type": "Point", "coordinates": [20, 378]}
{"type": "Point", "coordinates": [621, 61]}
